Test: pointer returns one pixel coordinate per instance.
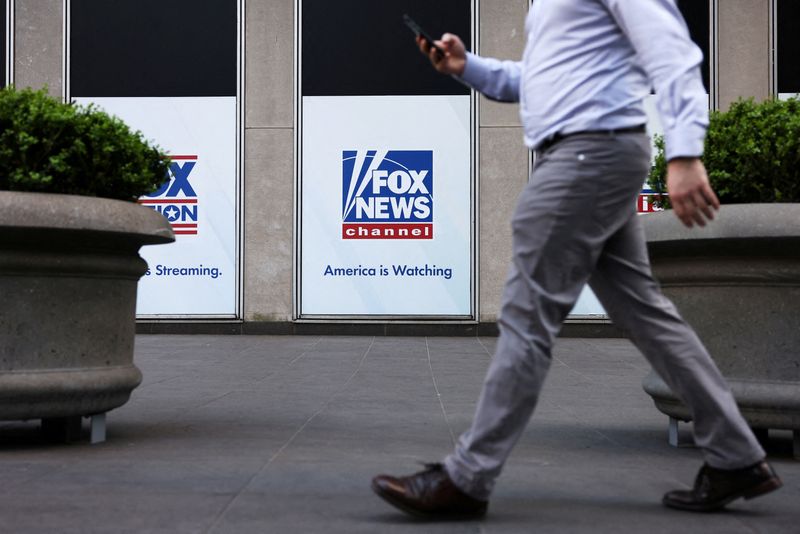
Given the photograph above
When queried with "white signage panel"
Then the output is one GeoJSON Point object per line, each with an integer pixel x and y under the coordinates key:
{"type": "Point", "coordinates": [386, 206]}
{"type": "Point", "coordinates": [197, 275]}
{"type": "Point", "coordinates": [588, 304]}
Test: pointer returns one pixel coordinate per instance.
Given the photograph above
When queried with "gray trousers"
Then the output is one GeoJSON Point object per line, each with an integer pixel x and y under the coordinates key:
{"type": "Point", "coordinates": [575, 222]}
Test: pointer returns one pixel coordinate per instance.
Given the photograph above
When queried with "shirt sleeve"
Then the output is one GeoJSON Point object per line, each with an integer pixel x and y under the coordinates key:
{"type": "Point", "coordinates": [498, 80]}
{"type": "Point", "coordinates": [659, 36]}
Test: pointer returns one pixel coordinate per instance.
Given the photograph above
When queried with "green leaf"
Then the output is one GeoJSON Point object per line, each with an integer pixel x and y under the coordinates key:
{"type": "Point", "coordinates": [49, 146]}
{"type": "Point", "coordinates": [752, 153]}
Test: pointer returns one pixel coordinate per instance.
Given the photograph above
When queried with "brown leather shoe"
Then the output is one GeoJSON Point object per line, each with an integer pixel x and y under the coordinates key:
{"type": "Point", "coordinates": [429, 494]}
{"type": "Point", "coordinates": [714, 488]}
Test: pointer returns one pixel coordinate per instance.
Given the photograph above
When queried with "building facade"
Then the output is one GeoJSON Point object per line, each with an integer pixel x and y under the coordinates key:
{"type": "Point", "coordinates": [322, 174]}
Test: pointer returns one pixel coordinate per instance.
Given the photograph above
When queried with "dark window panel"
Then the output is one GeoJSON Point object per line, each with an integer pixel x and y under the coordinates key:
{"type": "Point", "coordinates": [153, 48]}
{"type": "Point", "coordinates": [788, 28]}
{"type": "Point", "coordinates": [697, 16]}
{"type": "Point", "coordinates": [362, 47]}
{"type": "Point", "coordinates": [3, 37]}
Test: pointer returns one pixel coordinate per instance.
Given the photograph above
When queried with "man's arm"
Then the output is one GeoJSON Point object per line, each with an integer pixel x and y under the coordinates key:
{"type": "Point", "coordinates": [498, 80]}
{"type": "Point", "coordinates": [657, 32]}
{"type": "Point", "coordinates": [690, 194]}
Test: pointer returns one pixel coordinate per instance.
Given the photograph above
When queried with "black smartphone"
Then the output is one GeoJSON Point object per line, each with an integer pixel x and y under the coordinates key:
{"type": "Point", "coordinates": [417, 29]}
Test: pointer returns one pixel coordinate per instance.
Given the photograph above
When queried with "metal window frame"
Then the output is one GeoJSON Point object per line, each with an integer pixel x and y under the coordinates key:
{"type": "Point", "coordinates": [773, 56]}
{"type": "Point", "coordinates": [297, 315]}
{"type": "Point", "coordinates": [8, 61]}
{"type": "Point", "coordinates": [714, 52]}
{"type": "Point", "coordinates": [238, 315]}
{"type": "Point", "coordinates": [713, 92]}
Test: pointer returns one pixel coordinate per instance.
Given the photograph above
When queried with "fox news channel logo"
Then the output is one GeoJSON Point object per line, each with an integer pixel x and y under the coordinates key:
{"type": "Point", "coordinates": [646, 203]}
{"type": "Point", "coordinates": [387, 194]}
{"type": "Point", "coordinates": [176, 199]}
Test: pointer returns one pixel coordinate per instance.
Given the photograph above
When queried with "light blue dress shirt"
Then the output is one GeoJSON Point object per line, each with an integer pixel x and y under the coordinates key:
{"type": "Point", "coordinates": [588, 65]}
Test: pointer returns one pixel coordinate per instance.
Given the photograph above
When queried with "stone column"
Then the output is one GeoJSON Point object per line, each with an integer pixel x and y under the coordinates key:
{"type": "Point", "coordinates": [38, 44]}
{"type": "Point", "coordinates": [269, 160]}
{"type": "Point", "coordinates": [744, 51]}
{"type": "Point", "coordinates": [502, 156]}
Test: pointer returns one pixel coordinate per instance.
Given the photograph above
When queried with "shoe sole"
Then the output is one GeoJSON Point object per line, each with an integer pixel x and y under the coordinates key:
{"type": "Point", "coordinates": [765, 487]}
{"type": "Point", "coordinates": [422, 514]}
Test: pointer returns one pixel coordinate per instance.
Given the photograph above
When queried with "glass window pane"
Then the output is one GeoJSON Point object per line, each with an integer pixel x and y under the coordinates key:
{"type": "Point", "coordinates": [363, 47]}
{"type": "Point", "coordinates": [153, 48]}
{"type": "Point", "coordinates": [787, 19]}
{"type": "Point", "coordinates": [697, 15]}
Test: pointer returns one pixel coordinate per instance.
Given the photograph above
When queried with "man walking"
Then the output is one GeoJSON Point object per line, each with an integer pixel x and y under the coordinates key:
{"type": "Point", "coordinates": [586, 68]}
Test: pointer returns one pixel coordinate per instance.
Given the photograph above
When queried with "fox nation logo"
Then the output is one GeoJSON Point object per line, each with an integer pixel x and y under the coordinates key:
{"type": "Point", "coordinates": [387, 194]}
{"type": "Point", "coordinates": [176, 200]}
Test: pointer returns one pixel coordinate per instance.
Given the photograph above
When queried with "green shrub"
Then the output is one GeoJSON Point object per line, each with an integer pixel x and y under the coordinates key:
{"type": "Point", "coordinates": [51, 147]}
{"type": "Point", "coordinates": [752, 153]}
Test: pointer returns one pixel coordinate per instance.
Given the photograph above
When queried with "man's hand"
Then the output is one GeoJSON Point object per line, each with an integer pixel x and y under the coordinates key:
{"type": "Point", "coordinates": [691, 196]}
{"type": "Point", "coordinates": [455, 54]}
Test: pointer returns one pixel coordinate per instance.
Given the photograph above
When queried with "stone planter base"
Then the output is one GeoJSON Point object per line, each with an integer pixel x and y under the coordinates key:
{"type": "Point", "coordinates": [764, 405]}
{"type": "Point", "coordinates": [737, 283]}
{"type": "Point", "coordinates": [69, 268]}
{"type": "Point", "coordinates": [52, 394]}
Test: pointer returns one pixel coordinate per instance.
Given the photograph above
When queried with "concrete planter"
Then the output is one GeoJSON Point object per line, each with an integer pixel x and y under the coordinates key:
{"type": "Point", "coordinates": [737, 282]}
{"type": "Point", "coordinates": [69, 267]}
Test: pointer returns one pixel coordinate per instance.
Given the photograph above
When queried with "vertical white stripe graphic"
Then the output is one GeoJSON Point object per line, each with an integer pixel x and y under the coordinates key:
{"type": "Point", "coordinates": [376, 161]}
{"type": "Point", "coordinates": [360, 156]}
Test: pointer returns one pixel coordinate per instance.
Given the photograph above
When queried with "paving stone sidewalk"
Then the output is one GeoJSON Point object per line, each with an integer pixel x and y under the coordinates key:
{"type": "Point", "coordinates": [261, 434]}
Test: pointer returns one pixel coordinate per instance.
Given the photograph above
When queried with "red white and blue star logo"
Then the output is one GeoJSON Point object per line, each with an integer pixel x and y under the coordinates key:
{"type": "Point", "coordinates": [177, 200]}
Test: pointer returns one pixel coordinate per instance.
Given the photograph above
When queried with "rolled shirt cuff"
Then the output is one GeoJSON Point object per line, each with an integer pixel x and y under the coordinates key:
{"type": "Point", "coordinates": [684, 142]}
{"type": "Point", "coordinates": [475, 72]}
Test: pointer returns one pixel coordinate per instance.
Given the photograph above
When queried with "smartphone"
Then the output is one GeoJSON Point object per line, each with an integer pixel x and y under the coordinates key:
{"type": "Point", "coordinates": [417, 29]}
